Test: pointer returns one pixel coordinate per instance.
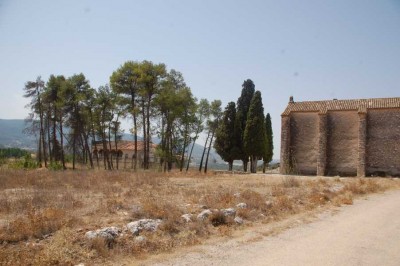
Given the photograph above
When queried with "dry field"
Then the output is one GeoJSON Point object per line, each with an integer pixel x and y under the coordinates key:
{"type": "Point", "coordinates": [44, 215]}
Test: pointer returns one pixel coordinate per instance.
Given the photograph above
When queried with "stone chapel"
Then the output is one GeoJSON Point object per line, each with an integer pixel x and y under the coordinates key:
{"type": "Point", "coordinates": [359, 137]}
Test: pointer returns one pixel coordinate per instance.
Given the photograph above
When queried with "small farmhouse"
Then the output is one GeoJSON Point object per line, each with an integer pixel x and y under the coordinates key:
{"type": "Point", "coordinates": [341, 137]}
{"type": "Point", "coordinates": [124, 150]}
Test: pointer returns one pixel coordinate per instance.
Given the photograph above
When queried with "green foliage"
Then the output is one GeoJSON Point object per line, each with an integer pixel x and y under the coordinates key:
{"type": "Point", "coordinates": [244, 101]}
{"type": "Point", "coordinates": [25, 163]}
{"type": "Point", "coordinates": [254, 133]}
{"type": "Point", "coordinates": [225, 142]}
{"type": "Point", "coordinates": [55, 166]}
{"type": "Point", "coordinates": [3, 160]}
{"type": "Point", "coordinates": [269, 145]}
{"type": "Point", "coordinates": [13, 152]}
{"type": "Point", "coordinates": [243, 105]}
{"type": "Point", "coordinates": [125, 80]}
{"type": "Point", "coordinates": [177, 107]}
{"type": "Point", "coordinates": [139, 83]}
{"type": "Point", "coordinates": [66, 113]}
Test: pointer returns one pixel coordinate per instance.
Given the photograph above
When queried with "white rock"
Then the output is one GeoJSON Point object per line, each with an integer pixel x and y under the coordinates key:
{"type": "Point", "coordinates": [242, 205]}
{"type": "Point", "coordinates": [136, 208]}
{"type": "Point", "coordinates": [144, 224]}
{"type": "Point", "coordinates": [187, 217]}
{"type": "Point", "coordinates": [108, 233]}
{"type": "Point", "coordinates": [237, 195]}
{"type": "Point", "coordinates": [91, 234]}
{"type": "Point", "coordinates": [229, 212]}
{"type": "Point", "coordinates": [238, 220]}
{"type": "Point", "coordinates": [336, 188]}
{"type": "Point", "coordinates": [140, 239]}
{"type": "Point", "coordinates": [268, 203]}
{"type": "Point", "coordinates": [204, 214]}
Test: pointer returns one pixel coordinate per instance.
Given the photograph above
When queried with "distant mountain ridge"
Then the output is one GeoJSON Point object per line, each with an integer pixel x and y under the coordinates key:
{"type": "Point", "coordinates": [12, 136]}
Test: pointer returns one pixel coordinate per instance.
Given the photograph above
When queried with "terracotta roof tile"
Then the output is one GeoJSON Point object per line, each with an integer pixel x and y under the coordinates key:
{"type": "Point", "coordinates": [126, 145]}
{"type": "Point", "coordinates": [330, 105]}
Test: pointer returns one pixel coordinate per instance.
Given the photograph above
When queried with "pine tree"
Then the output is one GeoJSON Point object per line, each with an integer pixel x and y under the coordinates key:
{"type": "Point", "coordinates": [203, 111]}
{"type": "Point", "coordinates": [269, 145]}
{"type": "Point", "coordinates": [34, 90]}
{"type": "Point", "coordinates": [254, 133]}
{"type": "Point", "coordinates": [125, 81]}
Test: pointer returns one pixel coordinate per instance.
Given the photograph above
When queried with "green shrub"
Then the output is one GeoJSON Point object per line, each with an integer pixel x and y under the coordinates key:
{"type": "Point", "coordinates": [13, 153]}
{"type": "Point", "coordinates": [2, 160]}
{"type": "Point", "coordinates": [55, 166]}
{"type": "Point", "coordinates": [24, 163]}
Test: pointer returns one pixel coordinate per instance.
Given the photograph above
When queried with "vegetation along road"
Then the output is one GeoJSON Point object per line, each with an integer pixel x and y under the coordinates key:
{"type": "Point", "coordinates": [366, 233]}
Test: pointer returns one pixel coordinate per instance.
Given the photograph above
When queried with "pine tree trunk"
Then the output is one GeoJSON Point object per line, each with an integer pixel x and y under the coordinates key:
{"type": "Point", "coordinates": [39, 152]}
{"type": "Point", "coordinates": [170, 153]}
{"type": "Point", "coordinates": [144, 136]}
{"type": "Point", "coordinates": [89, 153]}
{"type": "Point", "coordinates": [147, 143]}
{"type": "Point", "coordinates": [41, 139]}
{"type": "Point", "coordinates": [208, 152]}
{"type": "Point", "coordinates": [110, 146]}
{"type": "Point", "coordinates": [168, 148]}
{"type": "Point", "coordinates": [73, 149]}
{"type": "Point", "coordinates": [55, 140]}
{"type": "Point", "coordinates": [134, 157]}
{"type": "Point", "coordinates": [190, 154]}
{"type": "Point", "coordinates": [62, 145]}
{"type": "Point", "coordinates": [162, 143]}
{"type": "Point", "coordinates": [135, 130]}
{"type": "Point", "coordinates": [183, 152]}
{"type": "Point", "coordinates": [95, 149]}
{"type": "Point", "coordinates": [204, 151]}
{"type": "Point", "coordinates": [49, 138]}
{"type": "Point", "coordinates": [116, 146]}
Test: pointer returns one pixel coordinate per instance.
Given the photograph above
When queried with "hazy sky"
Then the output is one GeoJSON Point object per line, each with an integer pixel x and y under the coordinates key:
{"type": "Point", "coordinates": [313, 50]}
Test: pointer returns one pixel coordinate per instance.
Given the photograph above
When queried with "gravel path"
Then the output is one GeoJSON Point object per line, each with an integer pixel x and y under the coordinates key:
{"type": "Point", "coordinates": [366, 233]}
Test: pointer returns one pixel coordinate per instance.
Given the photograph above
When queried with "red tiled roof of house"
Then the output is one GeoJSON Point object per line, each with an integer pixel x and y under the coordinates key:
{"type": "Point", "coordinates": [361, 105]}
{"type": "Point", "coordinates": [126, 145]}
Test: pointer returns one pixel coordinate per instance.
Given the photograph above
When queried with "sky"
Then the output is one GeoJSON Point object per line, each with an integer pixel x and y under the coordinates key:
{"type": "Point", "coordinates": [313, 50]}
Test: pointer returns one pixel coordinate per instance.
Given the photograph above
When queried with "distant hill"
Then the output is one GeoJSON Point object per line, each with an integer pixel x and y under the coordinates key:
{"type": "Point", "coordinates": [12, 136]}
{"type": "Point", "coordinates": [197, 150]}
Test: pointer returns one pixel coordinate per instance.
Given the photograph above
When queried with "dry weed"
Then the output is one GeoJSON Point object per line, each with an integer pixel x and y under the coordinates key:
{"type": "Point", "coordinates": [53, 210]}
{"type": "Point", "coordinates": [36, 224]}
{"type": "Point", "coordinates": [253, 199]}
{"type": "Point", "coordinates": [290, 181]}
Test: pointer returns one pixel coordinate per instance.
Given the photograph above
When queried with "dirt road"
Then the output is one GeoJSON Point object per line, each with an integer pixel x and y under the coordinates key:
{"type": "Point", "coordinates": [366, 233]}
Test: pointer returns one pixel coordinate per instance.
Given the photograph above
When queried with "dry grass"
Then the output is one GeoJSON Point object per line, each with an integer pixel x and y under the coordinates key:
{"type": "Point", "coordinates": [45, 214]}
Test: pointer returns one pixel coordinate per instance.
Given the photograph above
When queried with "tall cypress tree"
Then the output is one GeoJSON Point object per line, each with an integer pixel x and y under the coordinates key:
{"type": "Point", "coordinates": [254, 133]}
{"type": "Point", "coordinates": [225, 142]}
{"type": "Point", "coordinates": [269, 145]}
{"type": "Point", "coordinates": [243, 105]}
